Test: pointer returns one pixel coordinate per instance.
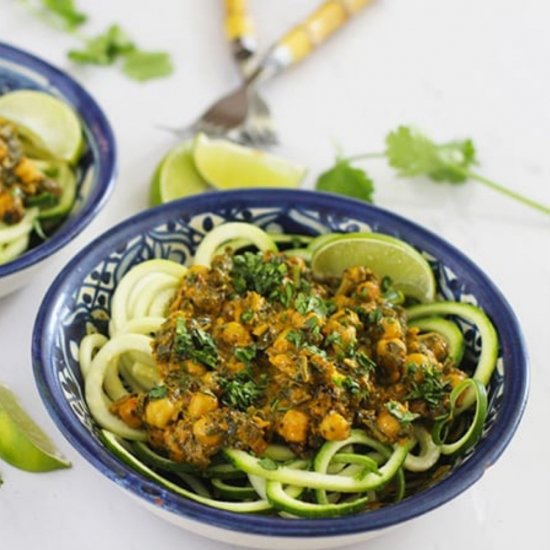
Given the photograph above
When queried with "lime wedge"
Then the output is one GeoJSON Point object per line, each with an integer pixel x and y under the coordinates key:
{"type": "Point", "coordinates": [385, 255]}
{"type": "Point", "coordinates": [22, 443]}
{"type": "Point", "coordinates": [226, 165]}
{"type": "Point", "coordinates": [48, 122]}
{"type": "Point", "coordinates": [176, 176]}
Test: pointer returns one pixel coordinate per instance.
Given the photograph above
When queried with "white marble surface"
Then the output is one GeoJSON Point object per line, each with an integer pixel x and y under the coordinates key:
{"type": "Point", "coordinates": [455, 67]}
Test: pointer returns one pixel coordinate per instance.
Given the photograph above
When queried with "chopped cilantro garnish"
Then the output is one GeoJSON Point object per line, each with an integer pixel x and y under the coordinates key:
{"type": "Point", "coordinates": [351, 385]}
{"type": "Point", "coordinates": [247, 316]}
{"type": "Point", "coordinates": [399, 411]}
{"type": "Point", "coordinates": [245, 354]}
{"type": "Point", "coordinates": [333, 338]}
{"type": "Point", "coordinates": [375, 316]}
{"type": "Point", "coordinates": [305, 304]}
{"type": "Point", "coordinates": [252, 272]}
{"type": "Point", "coordinates": [431, 389]}
{"type": "Point", "coordinates": [194, 343]}
{"type": "Point", "coordinates": [158, 392]}
{"type": "Point", "coordinates": [241, 392]}
{"type": "Point", "coordinates": [295, 337]}
{"type": "Point", "coordinates": [366, 364]}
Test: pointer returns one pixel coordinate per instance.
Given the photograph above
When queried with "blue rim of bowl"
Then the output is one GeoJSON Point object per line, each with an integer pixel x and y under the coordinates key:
{"type": "Point", "coordinates": [99, 128]}
{"type": "Point", "coordinates": [486, 452]}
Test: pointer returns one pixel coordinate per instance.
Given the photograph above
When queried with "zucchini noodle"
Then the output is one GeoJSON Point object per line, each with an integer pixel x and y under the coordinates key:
{"type": "Point", "coordinates": [344, 476]}
{"type": "Point", "coordinates": [14, 239]}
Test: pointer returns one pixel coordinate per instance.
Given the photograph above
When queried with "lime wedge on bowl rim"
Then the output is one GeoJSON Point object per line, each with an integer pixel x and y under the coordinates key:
{"type": "Point", "coordinates": [385, 255]}
{"type": "Point", "coordinates": [176, 176]}
{"type": "Point", "coordinates": [22, 443]}
{"type": "Point", "coordinates": [226, 165]}
{"type": "Point", "coordinates": [46, 121]}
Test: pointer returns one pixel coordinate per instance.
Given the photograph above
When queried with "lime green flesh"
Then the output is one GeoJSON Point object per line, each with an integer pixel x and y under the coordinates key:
{"type": "Point", "coordinates": [176, 176]}
{"type": "Point", "coordinates": [49, 123]}
{"type": "Point", "coordinates": [22, 443]}
{"type": "Point", "coordinates": [385, 255]}
{"type": "Point", "coordinates": [226, 165]}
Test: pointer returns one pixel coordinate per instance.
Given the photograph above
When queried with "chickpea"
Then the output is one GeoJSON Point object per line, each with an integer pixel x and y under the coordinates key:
{"type": "Point", "coordinates": [281, 343]}
{"type": "Point", "coordinates": [193, 368]}
{"type": "Point", "coordinates": [369, 290]}
{"type": "Point", "coordinates": [391, 356]}
{"type": "Point", "coordinates": [418, 359]}
{"type": "Point", "coordinates": [159, 412]}
{"type": "Point", "coordinates": [294, 426]}
{"type": "Point", "coordinates": [205, 432]}
{"type": "Point", "coordinates": [392, 328]}
{"type": "Point", "coordinates": [234, 333]}
{"type": "Point", "coordinates": [334, 427]}
{"type": "Point", "coordinates": [127, 410]}
{"type": "Point", "coordinates": [388, 424]}
{"type": "Point", "coordinates": [202, 403]}
{"type": "Point", "coordinates": [283, 362]}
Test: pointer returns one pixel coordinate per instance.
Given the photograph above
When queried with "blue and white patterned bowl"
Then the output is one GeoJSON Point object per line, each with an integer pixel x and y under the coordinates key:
{"type": "Point", "coordinates": [96, 168]}
{"type": "Point", "coordinates": [82, 294]}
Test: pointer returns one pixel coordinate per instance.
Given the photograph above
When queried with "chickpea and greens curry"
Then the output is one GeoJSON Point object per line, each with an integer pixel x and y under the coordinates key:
{"type": "Point", "coordinates": [256, 350]}
{"type": "Point", "coordinates": [251, 382]}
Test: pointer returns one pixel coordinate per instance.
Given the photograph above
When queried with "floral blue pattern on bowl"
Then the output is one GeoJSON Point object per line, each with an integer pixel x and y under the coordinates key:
{"type": "Point", "coordinates": [96, 168]}
{"type": "Point", "coordinates": [80, 299]}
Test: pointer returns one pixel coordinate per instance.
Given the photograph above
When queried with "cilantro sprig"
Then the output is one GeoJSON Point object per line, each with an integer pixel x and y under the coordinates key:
{"type": "Point", "coordinates": [105, 48]}
{"type": "Point", "coordinates": [413, 154]}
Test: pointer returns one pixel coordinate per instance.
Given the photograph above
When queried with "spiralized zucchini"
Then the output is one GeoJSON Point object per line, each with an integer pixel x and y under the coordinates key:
{"type": "Point", "coordinates": [343, 477]}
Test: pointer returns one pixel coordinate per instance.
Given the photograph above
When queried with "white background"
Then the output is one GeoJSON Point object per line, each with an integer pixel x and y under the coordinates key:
{"type": "Point", "coordinates": [457, 68]}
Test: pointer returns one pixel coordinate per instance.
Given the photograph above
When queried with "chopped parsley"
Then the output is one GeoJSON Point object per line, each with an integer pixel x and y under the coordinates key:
{"type": "Point", "coordinates": [194, 343]}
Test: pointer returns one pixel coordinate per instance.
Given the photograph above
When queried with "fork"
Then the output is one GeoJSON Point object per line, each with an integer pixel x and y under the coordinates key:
{"type": "Point", "coordinates": [227, 117]}
{"type": "Point", "coordinates": [240, 31]}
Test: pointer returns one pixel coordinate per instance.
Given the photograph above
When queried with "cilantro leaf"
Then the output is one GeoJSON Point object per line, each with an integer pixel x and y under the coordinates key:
{"type": "Point", "coordinates": [400, 412]}
{"type": "Point", "coordinates": [242, 391]}
{"type": "Point", "coordinates": [66, 11]}
{"type": "Point", "coordinates": [194, 343]}
{"type": "Point", "coordinates": [105, 48]}
{"type": "Point", "coordinates": [141, 65]}
{"type": "Point", "coordinates": [245, 354]}
{"type": "Point", "coordinates": [157, 392]}
{"type": "Point", "coordinates": [413, 154]}
{"type": "Point", "coordinates": [113, 44]}
{"type": "Point", "coordinates": [345, 179]}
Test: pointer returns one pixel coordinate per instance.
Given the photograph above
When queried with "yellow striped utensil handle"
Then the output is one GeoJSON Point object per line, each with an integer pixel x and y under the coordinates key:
{"type": "Point", "coordinates": [240, 30]}
{"type": "Point", "coordinates": [301, 40]}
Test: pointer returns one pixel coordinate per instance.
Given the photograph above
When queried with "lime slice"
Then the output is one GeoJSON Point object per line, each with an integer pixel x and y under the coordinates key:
{"type": "Point", "coordinates": [226, 165]}
{"type": "Point", "coordinates": [176, 176]}
{"type": "Point", "coordinates": [385, 255]}
{"type": "Point", "coordinates": [46, 121]}
{"type": "Point", "coordinates": [22, 443]}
